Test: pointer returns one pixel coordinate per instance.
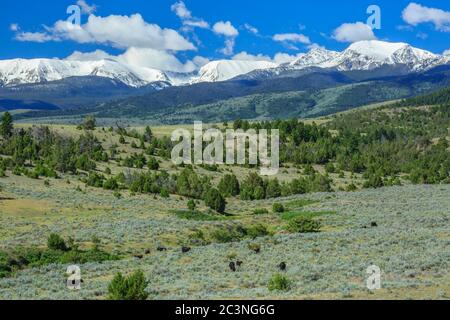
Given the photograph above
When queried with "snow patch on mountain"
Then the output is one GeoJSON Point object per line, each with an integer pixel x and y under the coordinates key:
{"type": "Point", "coordinates": [223, 70]}
{"type": "Point", "coordinates": [22, 71]}
{"type": "Point", "coordinates": [314, 58]}
{"type": "Point", "coordinates": [369, 55]}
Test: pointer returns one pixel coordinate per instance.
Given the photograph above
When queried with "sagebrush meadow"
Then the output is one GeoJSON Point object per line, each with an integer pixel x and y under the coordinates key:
{"type": "Point", "coordinates": [224, 157]}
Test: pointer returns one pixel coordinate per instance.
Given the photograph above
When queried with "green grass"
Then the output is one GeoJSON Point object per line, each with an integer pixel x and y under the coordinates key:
{"type": "Point", "coordinates": [300, 203]}
{"type": "Point", "coordinates": [197, 216]}
{"type": "Point", "coordinates": [305, 214]}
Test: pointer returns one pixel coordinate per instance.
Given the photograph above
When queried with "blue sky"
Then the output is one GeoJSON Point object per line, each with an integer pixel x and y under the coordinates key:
{"type": "Point", "coordinates": [223, 29]}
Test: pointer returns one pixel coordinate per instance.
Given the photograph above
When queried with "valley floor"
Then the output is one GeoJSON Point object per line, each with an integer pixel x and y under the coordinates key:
{"type": "Point", "coordinates": [403, 230]}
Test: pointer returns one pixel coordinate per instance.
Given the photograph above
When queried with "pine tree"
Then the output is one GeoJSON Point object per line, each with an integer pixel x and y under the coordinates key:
{"type": "Point", "coordinates": [6, 125]}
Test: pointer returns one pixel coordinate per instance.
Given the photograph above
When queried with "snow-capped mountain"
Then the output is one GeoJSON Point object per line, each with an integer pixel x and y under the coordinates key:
{"type": "Point", "coordinates": [314, 58]}
{"type": "Point", "coordinates": [369, 55]}
{"type": "Point", "coordinates": [22, 71]}
{"type": "Point", "coordinates": [363, 55]}
{"type": "Point", "coordinates": [223, 70]}
{"type": "Point", "coordinates": [360, 56]}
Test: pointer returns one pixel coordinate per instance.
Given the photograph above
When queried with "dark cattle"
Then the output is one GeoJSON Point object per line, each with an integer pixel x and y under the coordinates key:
{"type": "Point", "coordinates": [238, 263]}
{"type": "Point", "coordinates": [282, 266]}
{"type": "Point", "coordinates": [185, 249]}
{"type": "Point", "coordinates": [138, 256]}
{"type": "Point", "coordinates": [373, 224]}
{"type": "Point", "coordinates": [147, 251]}
{"type": "Point", "coordinates": [233, 266]}
{"type": "Point", "coordinates": [160, 249]}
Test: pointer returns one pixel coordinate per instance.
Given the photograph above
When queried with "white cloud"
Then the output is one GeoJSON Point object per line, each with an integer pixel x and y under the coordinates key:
{"type": "Point", "coordinates": [405, 28]}
{"type": "Point", "coordinates": [116, 31]}
{"type": "Point", "coordinates": [422, 35]}
{"type": "Point", "coordinates": [415, 14]}
{"type": "Point", "coordinates": [353, 32]}
{"type": "Point", "coordinates": [251, 28]}
{"type": "Point", "coordinates": [250, 57]}
{"type": "Point", "coordinates": [200, 61]}
{"type": "Point", "coordinates": [228, 50]}
{"type": "Point", "coordinates": [86, 8]}
{"type": "Point", "coordinates": [292, 37]}
{"type": "Point", "coordinates": [181, 11]}
{"type": "Point", "coordinates": [186, 17]}
{"type": "Point", "coordinates": [34, 37]}
{"type": "Point", "coordinates": [278, 58]}
{"type": "Point", "coordinates": [89, 56]}
{"type": "Point", "coordinates": [284, 57]}
{"type": "Point", "coordinates": [196, 24]}
{"type": "Point", "coordinates": [155, 59]}
{"type": "Point", "coordinates": [226, 29]}
{"type": "Point", "coordinates": [447, 53]}
{"type": "Point", "coordinates": [138, 58]}
{"type": "Point", "coordinates": [14, 27]}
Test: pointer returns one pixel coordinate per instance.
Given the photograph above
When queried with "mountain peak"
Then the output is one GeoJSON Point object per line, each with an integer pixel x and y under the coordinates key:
{"type": "Point", "coordinates": [222, 70]}
{"type": "Point", "coordinates": [315, 57]}
{"type": "Point", "coordinates": [377, 49]}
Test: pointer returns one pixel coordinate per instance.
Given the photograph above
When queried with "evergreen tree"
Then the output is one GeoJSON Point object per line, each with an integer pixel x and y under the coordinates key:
{"type": "Point", "coordinates": [215, 201]}
{"type": "Point", "coordinates": [6, 125]}
{"type": "Point", "coordinates": [229, 186]}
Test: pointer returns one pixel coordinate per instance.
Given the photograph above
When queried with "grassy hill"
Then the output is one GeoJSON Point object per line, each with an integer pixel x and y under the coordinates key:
{"type": "Point", "coordinates": [354, 190]}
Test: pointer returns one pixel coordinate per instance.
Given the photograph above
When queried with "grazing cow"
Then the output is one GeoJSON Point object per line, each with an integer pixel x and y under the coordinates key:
{"type": "Point", "coordinates": [138, 256]}
{"type": "Point", "coordinates": [238, 263]}
{"type": "Point", "coordinates": [282, 266]}
{"type": "Point", "coordinates": [160, 249]}
{"type": "Point", "coordinates": [232, 266]}
{"type": "Point", "coordinates": [147, 251]}
{"type": "Point", "coordinates": [373, 224]}
{"type": "Point", "coordinates": [185, 249]}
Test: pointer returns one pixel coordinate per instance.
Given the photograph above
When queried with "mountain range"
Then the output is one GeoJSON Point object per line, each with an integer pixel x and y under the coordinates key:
{"type": "Point", "coordinates": [364, 55]}
{"type": "Point", "coordinates": [106, 87]}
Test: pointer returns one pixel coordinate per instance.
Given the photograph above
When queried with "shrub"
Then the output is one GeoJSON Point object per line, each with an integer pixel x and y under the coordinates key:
{"type": "Point", "coordinates": [279, 282]}
{"type": "Point", "coordinates": [259, 193]}
{"type": "Point", "coordinates": [215, 201]}
{"type": "Point", "coordinates": [256, 247]}
{"type": "Point", "coordinates": [89, 123]}
{"type": "Point", "coordinates": [273, 189]}
{"type": "Point", "coordinates": [153, 164]}
{"type": "Point", "coordinates": [227, 234]}
{"type": "Point", "coordinates": [303, 225]}
{"type": "Point", "coordinates": [329, 168]}
{"type": "Point", "coordinates": [17, 171]}
{"type": "Point", "coordinates": [351, 187]}
{"type": "Point", "coordinates": [164, 193]}
{"type": "Point", "coordinates": [229, 186]}
{"type": "Point", "coordinates": [128, 288]}
{"type": "Point", "coordinates": [258, 230]}
{"type": "Point", "coordinates": [55, 242]}
{"type": "Point", "coordinates": [374, 181]}
{"type": "Point", "coordinates": [191, 205]}
{"type": "Point", "coordinates": [278, 208]}
{"type": "Point", "coordinates": [260, 211]}
{"type": "Point", "coordinates": [111, 184]}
